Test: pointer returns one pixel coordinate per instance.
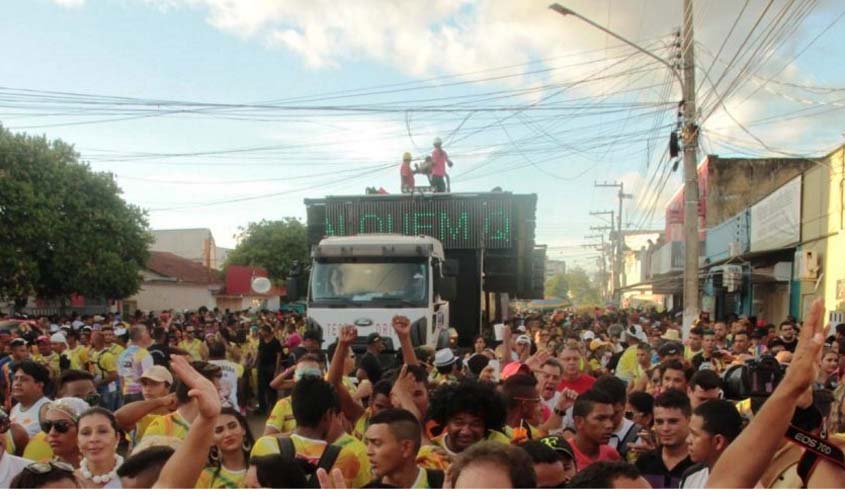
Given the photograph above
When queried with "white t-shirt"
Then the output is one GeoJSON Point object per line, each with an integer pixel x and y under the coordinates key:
{"type": "Point", "coordinates": [10, 466]}
{"type": "Point", "coordinates": [230, 373]}
{"type": "Point", "coordinates": [697, 480]}
{"type": "Point", "coordinates": [29, 418]}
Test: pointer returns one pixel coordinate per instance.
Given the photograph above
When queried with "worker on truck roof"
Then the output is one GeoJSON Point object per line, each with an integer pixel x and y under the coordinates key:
{"type": "Point", "coordinates": [406, 174]}
{"type": "Point", "coordinates": [439, 159]}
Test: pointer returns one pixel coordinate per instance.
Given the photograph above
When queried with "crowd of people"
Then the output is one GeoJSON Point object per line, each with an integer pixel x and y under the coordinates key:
{"type": "Point", "coordinates": [604, 398]}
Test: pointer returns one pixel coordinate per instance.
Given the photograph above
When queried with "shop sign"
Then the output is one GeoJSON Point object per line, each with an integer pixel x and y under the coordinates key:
{"type": "Point", "coordinates": [776, 220]}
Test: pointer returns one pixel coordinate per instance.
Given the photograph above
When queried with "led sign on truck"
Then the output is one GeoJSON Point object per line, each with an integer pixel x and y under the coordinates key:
{"type": "Point", "coordinates": [456, 223]}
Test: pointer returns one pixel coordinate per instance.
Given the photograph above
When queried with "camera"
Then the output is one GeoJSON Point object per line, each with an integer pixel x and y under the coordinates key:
{"type": "Point", "coordinates": [754, 379]}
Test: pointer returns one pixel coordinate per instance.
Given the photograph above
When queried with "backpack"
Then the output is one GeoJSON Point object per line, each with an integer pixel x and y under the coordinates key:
{"type": "Point", "coordinates": [326, 462]}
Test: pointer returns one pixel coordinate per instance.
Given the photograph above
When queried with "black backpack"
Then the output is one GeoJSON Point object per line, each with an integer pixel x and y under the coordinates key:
{"type": "Point", "coordinates": [326, 462]}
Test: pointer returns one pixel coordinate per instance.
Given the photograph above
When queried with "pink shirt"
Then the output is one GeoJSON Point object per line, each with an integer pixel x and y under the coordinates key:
{"type": "Point", "coordinates": [438, 161]}
{"type": "Point", "coordinates": [606, 454]}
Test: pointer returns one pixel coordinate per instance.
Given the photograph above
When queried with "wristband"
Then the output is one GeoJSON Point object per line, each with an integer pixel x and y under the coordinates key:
{"type": "Point", "coordinates": [559, 413]}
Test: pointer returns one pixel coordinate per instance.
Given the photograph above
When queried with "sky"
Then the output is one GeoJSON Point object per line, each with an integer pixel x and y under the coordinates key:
{"type": "Point", "coordinates": [217, 113]}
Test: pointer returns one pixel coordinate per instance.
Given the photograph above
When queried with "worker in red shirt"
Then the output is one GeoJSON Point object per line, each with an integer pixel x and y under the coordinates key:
{"type": "Point", "coordinates": [406, 174]}
{"type": "Point", "coordinates": [439, 160]}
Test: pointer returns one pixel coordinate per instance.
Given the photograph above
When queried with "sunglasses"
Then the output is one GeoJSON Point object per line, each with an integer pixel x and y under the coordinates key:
{"type": "Point", "coordinates": [93, 399]}
{"type": "Point", "coordinates": [62, 426]}
{"type": "Point", "coordinates": [46, 467]}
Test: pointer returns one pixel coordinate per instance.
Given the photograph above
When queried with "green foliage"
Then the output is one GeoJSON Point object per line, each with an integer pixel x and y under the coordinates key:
{"type": "Point", "coordinates": [556, 286]}
{"type": "Point", "coordinates": [575, 285]}
{"type": "Point", "coordinates": [273, 245]}
{"type": "Point", "coordinates": [65, 229]}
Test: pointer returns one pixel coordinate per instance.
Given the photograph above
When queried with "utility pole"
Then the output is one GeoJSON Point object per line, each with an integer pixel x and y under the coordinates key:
{"type": "Point", "coordinates": [690, 139]}
{"type": "Point", "coordinates": [609, 250]}
{"type": "Point", "coordinates": [689, 134]}
{"type": "Point", "coordinates": [602, 263]}
{"type": "Point", "coordinates": [619, 279]}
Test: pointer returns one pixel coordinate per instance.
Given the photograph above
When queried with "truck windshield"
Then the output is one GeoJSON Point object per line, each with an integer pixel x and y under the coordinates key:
{"type": "Point", "coordinates": [394, 283]}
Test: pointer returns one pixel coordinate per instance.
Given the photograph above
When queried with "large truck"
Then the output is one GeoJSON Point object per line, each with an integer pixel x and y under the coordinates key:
{"type": "Point", "coordinates": [443, 260]}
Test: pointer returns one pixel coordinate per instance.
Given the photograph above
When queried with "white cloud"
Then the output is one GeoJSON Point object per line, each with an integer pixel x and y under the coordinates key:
{"type": "Point", "coordinates": [70, 4]}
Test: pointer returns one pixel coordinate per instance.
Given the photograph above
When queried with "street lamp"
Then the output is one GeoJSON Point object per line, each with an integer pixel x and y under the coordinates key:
{"type": "Point", "coordinates": [690, 136]}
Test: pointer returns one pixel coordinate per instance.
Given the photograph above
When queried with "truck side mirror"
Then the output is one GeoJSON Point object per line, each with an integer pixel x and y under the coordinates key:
{"type": "Point", "coordinates": [446, 287]}
{"type": "Point", "coordinates": [293, 289]}
{"type": "Point", "coordinates": [450, 268]}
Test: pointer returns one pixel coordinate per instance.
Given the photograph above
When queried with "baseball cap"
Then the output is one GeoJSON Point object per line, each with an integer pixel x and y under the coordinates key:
{"type": "Point", "coordinates": [671, 334]}
{"type": "Point", "coordinates": [43, 339]}
{"type": "Point", "coordinates": [293, 341]}
{"type": "Point", "coordinates": [17, 342]}
{"type": "Point", "coordinates": [670, 349]}
{"type": "Point", "coordinates": [523, 339]}
{"type": "Point", "coordinates": [158, 373]}
{"type": "Point", "coordinates": [373, 337]}
{"type": "Point", "coordinates": [588, 335]}
{"type": "Point", "coordinates": [443, 357]}
{"type": "Point", "coordinates": [598, 344]}
{"type": "Point", "coordinates": [561, 447]}
{"type": "Point", "coordinates": [514, 368]}
{"type": "Point", "coordinates": [477, 362]}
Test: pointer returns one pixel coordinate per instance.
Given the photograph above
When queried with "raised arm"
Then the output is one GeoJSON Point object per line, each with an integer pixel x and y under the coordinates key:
{"type": "Point", "coordinates": [348, 405]}
{"type": "Point", "coordinates": [402, 327]}
{"type": "Point", "coordinates": [128, 415]}
{"type": "Point", "coordinates": [185, 465]}
{"type": "Point", "coordinates": [746, 459]}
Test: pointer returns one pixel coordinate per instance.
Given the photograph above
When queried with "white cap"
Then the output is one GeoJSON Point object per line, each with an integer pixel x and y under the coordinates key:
{"type": "Point", "coordinates": [637, 333]}
{"type": "Point", "coordinates": [523, 339]}
{"type": "Point", "coordinates": [58, 338]}
{"type": "Point", "coordinates": [54, 328]}
{"type": "Point", "coordinates": [444, 357]}
{"type": "Point", "coordinates": [588, 335]}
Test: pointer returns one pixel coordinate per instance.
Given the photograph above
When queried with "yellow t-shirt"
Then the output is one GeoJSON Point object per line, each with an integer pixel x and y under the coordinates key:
{"type": "Point", "coordinates": [38, 449]}
{"type": "Point", "coordinates": [281, 418]}
{"type": "Point", "coordinates": [359, 449]}
{"type": "Point", "coordinates": [362, 424]}
{"type": "Point", "coordinates": [627, 367]}
{"type": "Point", "coordinates": [212, 478]}
{"type": "Point", "coordinates": [170, 425]}
{"type": "Point", "coordinates": [102, 363]}
{"type": "Point", "coordinates": [193, 347]}
{"type": "Point", "coordinates": [689, 353]}
{"type": "Point", "coordinates": [356, 473]}
{"type": "Point", "coordinates": [9, 443]}
{"type": "Point", "coordinates": [534, 433]}
{"type": "Point", "coordinates": [78, 357]}
{"type": "Point", "coordinates": [433, 457]}
{"type": "Point", "coordinates": [141, 427]}
{"type": "Point", "coordinates": [116, 349]}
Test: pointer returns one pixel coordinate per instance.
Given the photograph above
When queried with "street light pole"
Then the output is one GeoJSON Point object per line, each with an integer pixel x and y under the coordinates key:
{"type": "Point", "coordinates": [690, 138]}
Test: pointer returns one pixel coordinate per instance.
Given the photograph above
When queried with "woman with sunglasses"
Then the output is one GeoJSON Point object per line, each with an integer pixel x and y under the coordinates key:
{"type": "Point", "coordinates": [60, 426]}
{"type": "Point", "coordinates": [98, 437]}
{"type": "Point", "coordinates": [228, 459]}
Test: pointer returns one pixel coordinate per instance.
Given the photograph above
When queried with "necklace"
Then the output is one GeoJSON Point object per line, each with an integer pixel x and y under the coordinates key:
{"type": "Point", "coordinates": [102, 478]}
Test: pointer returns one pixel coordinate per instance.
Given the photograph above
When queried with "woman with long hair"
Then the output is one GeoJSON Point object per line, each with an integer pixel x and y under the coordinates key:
{"type": "Point", "coordinates": [98, 437]}
{"type": "Point", "coordinates": [228, 459]}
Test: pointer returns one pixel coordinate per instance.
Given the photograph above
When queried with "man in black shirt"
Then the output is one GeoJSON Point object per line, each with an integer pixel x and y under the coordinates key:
{"type": "Point", "coordinates": [664, 467]}
{"type": "Point", "coordinates": [370, 361]}
{"type": "Point", "coordinates": [787, 335]}
{"type": "Point", "coordinates": [269, 354]}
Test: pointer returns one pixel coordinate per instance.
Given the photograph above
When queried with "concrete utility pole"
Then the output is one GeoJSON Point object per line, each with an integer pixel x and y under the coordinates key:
{"type": "Point", "coordinates": [620, 242]}
{"type": "Point", "coordinates": [601, 261]}
{"type": "Point", "coordinates": [614, 269]}
{"type": "Point", "coordinates": [690, 138]}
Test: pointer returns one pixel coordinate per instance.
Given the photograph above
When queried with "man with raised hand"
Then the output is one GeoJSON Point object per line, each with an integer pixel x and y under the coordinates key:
{"type": "Point", "coordinates": [745, 461]}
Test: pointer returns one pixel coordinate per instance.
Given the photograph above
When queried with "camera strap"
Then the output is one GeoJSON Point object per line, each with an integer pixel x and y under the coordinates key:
{"type": "Point", "coordinates": [816, 448]}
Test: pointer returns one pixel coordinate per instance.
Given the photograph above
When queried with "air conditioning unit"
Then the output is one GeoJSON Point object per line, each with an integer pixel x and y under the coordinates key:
{"type": "Point", "coordinates": [808, 265]}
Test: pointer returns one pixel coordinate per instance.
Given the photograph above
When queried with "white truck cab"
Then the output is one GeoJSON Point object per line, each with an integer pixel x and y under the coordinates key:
{"type": "Point", "coordinates": [366, 280]}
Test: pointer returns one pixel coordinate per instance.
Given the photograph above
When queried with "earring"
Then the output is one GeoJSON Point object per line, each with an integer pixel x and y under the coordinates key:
{"type": "Point", "coordinates": [214, 454]}
{"type": "Point", "coordinates": [246, 446]}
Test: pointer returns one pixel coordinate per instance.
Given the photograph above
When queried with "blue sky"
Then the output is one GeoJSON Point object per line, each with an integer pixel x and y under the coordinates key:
{"type": "Point", "coordinates": [589, 109]}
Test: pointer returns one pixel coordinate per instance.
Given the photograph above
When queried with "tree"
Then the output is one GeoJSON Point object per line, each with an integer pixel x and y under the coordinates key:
{"type": "Point", "coordinates": [575, 285]}
{"type": "Point", "coordinates": [556, 286]}
{"type": "Point", "coordinates": [66, 230]}
{"type": "Point", "coordinates": [582, 291]}
{"type": "Point", "coordinates": [273, 245]}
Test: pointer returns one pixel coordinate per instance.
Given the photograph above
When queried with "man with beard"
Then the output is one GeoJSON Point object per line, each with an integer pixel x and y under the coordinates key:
{"type": "Point", "coordinates": [787, 335]}
{"type": "Point", "coordinates": [393, 441]}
